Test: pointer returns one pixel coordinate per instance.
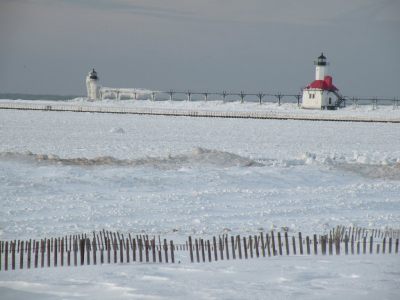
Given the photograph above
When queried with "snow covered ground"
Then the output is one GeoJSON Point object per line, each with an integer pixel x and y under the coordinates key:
{"type": "Point", "coordinates": [63, 172]}
{"type": "Point", "coordinates": [271, 278]}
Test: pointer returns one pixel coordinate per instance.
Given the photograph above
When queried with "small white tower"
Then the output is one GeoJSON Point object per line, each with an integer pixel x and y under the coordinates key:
{"type": "Point", "coordinates": [321, 67]}
{"type": "Point", "coordinates": [93, 89]}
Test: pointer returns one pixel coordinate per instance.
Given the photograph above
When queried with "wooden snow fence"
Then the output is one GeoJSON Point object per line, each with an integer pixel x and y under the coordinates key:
{"type": "Point", "coordinates": [77, 250]}
{"type": "Point", "coordinates": [339, 241]}
{"type": "Point", "coordinates": [107, 247]}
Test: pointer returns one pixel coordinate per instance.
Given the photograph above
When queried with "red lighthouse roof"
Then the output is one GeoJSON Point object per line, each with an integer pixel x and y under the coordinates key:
{"type": "Point", "coordinates": [325, 84]}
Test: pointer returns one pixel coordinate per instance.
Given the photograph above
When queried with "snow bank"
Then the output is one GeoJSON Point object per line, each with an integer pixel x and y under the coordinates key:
{"type": "Point", "coordinates": [385, 168]}
{"type": "Point", "coordinates": [272, 278]}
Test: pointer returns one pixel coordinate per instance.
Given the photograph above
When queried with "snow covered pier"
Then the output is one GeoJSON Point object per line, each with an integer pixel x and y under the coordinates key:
{"type": "Point", "coordinates": [259, 114]}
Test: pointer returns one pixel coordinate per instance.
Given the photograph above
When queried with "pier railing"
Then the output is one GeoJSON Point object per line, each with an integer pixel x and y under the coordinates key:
{"type": "Point", "coordinates": [230, 96]}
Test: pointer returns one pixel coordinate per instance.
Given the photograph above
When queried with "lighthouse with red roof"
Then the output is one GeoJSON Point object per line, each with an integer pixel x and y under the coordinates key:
{"type": "Point", "coordinates": [321, 93]}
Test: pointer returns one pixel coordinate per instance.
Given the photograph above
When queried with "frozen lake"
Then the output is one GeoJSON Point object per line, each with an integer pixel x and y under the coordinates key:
{"type": "Point", "coordinates": [78, 172]}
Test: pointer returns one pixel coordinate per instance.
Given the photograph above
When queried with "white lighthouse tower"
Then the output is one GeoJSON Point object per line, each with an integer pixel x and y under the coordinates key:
{"type": "Point", "coordinates": [93, 89]}
{"type": "Point", "coordinates": [321, 66]}
{"type": "Point", "coordinates": [321, 93]}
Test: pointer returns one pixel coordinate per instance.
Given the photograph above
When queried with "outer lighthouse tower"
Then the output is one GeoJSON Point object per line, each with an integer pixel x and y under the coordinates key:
{"type": "Point", "coordinates": [93, 89]}
{"type": "Point", "coordinates": [321, 93]}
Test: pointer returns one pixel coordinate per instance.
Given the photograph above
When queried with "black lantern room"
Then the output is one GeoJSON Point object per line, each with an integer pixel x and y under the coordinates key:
{"type": "Point", "coordinates": [321, 60]}
{"type": "Point", "coordinates": [93, 74]}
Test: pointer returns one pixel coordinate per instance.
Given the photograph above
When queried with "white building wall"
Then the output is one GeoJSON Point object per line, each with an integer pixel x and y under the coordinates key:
{"type": "Point", "coordinates": [317, 99]}
{"type": "Point", "coordinates": [312, 98]}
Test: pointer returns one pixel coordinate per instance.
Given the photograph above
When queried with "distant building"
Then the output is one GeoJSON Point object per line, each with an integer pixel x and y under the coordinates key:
{"type": "Point", "coordinates": [321, 93]}
{"type": "Point", "coordinates": [92, 86]}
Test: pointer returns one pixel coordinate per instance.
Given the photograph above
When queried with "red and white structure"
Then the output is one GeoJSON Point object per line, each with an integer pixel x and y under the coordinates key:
{"type": "Point", "coordinates": [321, 93]}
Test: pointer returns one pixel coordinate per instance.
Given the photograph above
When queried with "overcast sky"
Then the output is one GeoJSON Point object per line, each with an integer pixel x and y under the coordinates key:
{"type": "Point", "coordinates": [48, 46]}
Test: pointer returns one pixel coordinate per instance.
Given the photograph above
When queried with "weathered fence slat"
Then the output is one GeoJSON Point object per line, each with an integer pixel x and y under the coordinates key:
{"type": "Point", "coordinates": [268, 246]}
{"type": "Point", "coordinates": [371, 244]}
{"type": "Point", "coordinates": [121, 252]}
{"type": "Point", "coordinates": [287, 243]}
{"type": "Point", "coordinates": [203, 256]}
{"type": "Point", "coordinates": [233, 247]}
{"type": "Point", "coordinates": [209, 250]}
{"type": "Point", "coordinates": [13, 255]}
{"type": "Point", "coordinates": [153, 250]}
{"type": "Point", "coordinates": [262, 245]}
{"type": "Point", "coordinates": [245, 247]}
{"type": "Point", "coordinates": [172, 248]}
{"type": "Point", "coordinates": [55, 253]}
{"type": "Point", "coordinates": [6, 257]}
{"type": "Point", "coordinates": [251, 246]}
{"type": "Point", "coordinates": [62, 252]}
{"type": "Point", "coordinates": [221, 249]}
{"type": "Point", "coordinates": [352, 244]}
{"type": "Point", "coordinates": [215, 248]}
{"type": "Point", "coordinates": [140, 247]}
{"type": "Point", "coordinates": [94, 249]}
{"type": "Point", "coordinates": [294, 245]}
{"type": "Point", "coordinates": [159, 256]}
{"type": "Point", "coordinates": [146, 250]}
{"type": "Point", "coordinates": [323, 245]}
{"type": "Point", "coordinates": [315, 245]}
{"type": "Point", "coordinates": [36, 254]}
{"type": "Point", "coordinates": [308, 245]}
{"type": "Point", "coordinates": [115, 247]}
{"type": "Point", "coordinates": [239, 247]}
{"type": "Point", "coordinates": [191, 249]}
{"type": "Point", "coordinates": [75, 250]}
{"type": "Point", "coordinates": [108, 247]}
{"type": "Point", "coordinates": [384, 245]}
{"type": "Point", "coordinates": [1, 251]}
{"type": "Point", "coordinates": [134, 249]}
{"type": "Point", "coordinates": [279, 243]}
{"type": "Point", "coordinates": [21, 256]}
{"type": "Point", "coordinates": [274, 252]}
{"type": "Point", "coordinates": [226, 247]}
{"type": "Point", "coordinates": [337, 245]}
{"type": "Point", "coordinates": [364, 245]}
{"type": "Point", "coordinates": [300, 244]}
{"type": "Point", "coordinates": [197, 250]}
{"type": "Point", "coordinates": [48, 253]}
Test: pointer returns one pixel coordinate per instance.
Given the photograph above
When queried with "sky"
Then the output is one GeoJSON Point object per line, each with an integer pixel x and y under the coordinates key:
{"type": "Point", "coordinates": [48, 46]}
